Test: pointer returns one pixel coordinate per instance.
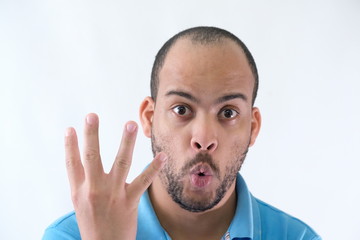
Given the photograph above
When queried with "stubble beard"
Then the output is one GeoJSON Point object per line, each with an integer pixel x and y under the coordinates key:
{"type": "Point", "coordinates": [173, 184]}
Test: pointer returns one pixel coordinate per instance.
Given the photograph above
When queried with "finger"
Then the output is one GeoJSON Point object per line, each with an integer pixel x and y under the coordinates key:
{"type": "Point", "coordinates": [143, 181]}
{"type": "Point", "coordinates": [122, 163]}
{"type": "Point", "coordinates": [74, 167]}
{"type": "Point", "coordinates": [92, 161]}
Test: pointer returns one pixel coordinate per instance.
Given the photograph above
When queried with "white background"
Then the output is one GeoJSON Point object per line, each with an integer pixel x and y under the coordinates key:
{"type": "Point", "coordinates": [62, 59]}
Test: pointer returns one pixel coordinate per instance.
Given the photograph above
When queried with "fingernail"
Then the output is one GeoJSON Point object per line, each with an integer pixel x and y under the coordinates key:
{"type": "Point", "coordinates": [162, 157]}
{"type": "Point", "coordinates": [130, 127]}
{"type": "Point", "coordinates": [91, 119]}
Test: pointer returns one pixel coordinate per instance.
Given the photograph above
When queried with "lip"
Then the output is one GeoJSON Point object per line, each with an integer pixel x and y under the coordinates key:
{"type": "Point", "coordinates": [203, 169]}
{"type": "Point", "coordinates": [201, 176]}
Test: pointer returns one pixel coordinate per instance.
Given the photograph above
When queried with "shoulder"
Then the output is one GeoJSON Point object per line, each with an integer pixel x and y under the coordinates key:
{"type": "Point", "coordinates": [276, 223]}
{"type": "Point", "coordinates": [64, 228]}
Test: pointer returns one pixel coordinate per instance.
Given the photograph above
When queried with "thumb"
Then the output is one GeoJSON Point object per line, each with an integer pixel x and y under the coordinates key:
{"type": "Point", "coordinates": [143, 181]}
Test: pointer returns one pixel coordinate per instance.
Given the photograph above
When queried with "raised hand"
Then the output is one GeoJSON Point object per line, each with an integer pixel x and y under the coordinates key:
{"type": "Point", "coordinates": [105, 205]}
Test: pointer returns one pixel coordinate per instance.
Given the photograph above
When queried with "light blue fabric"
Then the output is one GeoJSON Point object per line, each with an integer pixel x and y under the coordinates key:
{"type": "Point", "coordinates": [253, 220]}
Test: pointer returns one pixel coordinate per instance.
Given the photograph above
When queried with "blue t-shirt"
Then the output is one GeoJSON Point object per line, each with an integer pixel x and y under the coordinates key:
{"type": "Point", "coordinates": [253, 220]}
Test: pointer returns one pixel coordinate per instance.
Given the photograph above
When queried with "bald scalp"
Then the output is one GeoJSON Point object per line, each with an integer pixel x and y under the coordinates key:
{"type": "Point", "coordinates": [203, 36]}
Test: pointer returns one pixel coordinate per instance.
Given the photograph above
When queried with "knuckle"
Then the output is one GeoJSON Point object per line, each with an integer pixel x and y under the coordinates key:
{"type": "Point", "coordinates": [93, 197]}
{"type": "Point", "coordinates": [70, 163]}
{"type": "Point", "coordinates": [91, 155]}
{"type": "Point", "coordinates": [146, 180]}
{"type": "Point", "coordinates": [122, 163]}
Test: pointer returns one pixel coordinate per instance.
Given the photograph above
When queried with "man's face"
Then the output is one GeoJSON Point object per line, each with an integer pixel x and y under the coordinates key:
{"type": "Point", "coordinates": [203, 121]}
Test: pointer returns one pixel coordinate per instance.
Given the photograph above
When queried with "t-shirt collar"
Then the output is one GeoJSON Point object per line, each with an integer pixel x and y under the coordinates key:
{"type": "Point", "coordinates": [242, 225]}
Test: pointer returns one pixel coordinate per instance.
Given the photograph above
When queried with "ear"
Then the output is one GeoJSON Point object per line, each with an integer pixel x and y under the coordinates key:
{"type": "Point", "coordinates": [255, 125]}
{"type": "Point", "coordinates": [146, 115]}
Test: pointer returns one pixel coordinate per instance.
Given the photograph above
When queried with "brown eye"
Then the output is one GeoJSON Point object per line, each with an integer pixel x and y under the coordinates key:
{"type": "Point", "coordinates": [228, 113]}
{"type": "Point", "coordinates": [182, 110]}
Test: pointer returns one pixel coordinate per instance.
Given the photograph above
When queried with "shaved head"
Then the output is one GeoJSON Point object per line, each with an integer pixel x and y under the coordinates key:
{"type": "Point", "coordinates": [202, 36]}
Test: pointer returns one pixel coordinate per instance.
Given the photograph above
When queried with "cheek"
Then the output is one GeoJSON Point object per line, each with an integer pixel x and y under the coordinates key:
{"type": "Point", "coordinates": [169, 142]}
{"type": "Point", "coordinates": [237, 131]}
{"type": "Point", "coordinates": [233, 149]}
{"type": "Point", "coordinates": [236, 136]}
{"type": "Point", "coordinates": [162, 124]}
{"type": "Point", "coordinates": [175, 137]}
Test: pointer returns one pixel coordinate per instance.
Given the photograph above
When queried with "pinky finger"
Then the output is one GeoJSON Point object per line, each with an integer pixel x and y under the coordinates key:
{"type": "Point", "coordinates": [74, 166]}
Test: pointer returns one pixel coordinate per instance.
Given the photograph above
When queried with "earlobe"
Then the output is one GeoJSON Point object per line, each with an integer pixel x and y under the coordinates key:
{"type": "Point", "coordinates": [255, 125]}
{"type": "Point", "coordinates": [146, 115]}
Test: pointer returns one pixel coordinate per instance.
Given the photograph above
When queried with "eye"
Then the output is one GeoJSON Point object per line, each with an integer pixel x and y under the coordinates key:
{"type": "Point", "coordinates": [181, 110]}
{"type": "Point", "coordinates": [228, 113]}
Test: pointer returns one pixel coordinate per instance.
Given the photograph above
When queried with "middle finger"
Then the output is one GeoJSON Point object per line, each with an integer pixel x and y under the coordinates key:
{"type": "Point", "coordinates": [92, 161]}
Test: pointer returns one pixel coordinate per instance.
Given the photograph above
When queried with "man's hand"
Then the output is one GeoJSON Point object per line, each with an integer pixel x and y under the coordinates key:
{"type": "Point", "coordinates": [105, 205]}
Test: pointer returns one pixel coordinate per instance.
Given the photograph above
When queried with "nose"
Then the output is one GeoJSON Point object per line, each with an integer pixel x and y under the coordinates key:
{"type": "Point", "coordinates": [204, 137]}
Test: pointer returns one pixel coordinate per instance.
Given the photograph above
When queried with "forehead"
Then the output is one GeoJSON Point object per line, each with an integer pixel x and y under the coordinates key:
{"type": "Point", "coordinates": [208, 69]}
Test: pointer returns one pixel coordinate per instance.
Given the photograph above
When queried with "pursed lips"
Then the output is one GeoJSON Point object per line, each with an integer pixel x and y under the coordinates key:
{"type": "Point", "coordinates": [202, 169]}
{"type": "Point", "coordinates": [201, 175]}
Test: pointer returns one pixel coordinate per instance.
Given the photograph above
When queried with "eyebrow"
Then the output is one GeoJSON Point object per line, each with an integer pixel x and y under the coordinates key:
{"type": "Point", "coordinates": [218, 101]}
{"type": "Point", "coordinates": [230, 97]}
{"type": "Point", "coordinates": [183, 94]}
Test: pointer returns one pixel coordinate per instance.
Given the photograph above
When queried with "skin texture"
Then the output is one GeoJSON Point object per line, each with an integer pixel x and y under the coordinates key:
{"type": "Point", "coordinates": [105, 205]}
{"type": "Point", "coordinates": [203, 115]}
{"type": "Point", "coordinates": [203, 108]}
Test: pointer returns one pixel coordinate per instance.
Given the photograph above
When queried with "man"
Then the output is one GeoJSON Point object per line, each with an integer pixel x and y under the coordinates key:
{"type": "Point", "coordinates": [201, 121]}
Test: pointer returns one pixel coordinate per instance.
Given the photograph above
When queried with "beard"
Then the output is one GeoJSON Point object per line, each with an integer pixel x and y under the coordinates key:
{"type": "Point", "coordinates": [172, 181]}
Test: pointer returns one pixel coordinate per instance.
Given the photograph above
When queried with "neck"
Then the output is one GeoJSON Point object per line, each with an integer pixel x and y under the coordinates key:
{"type": "Point", "coordinates": [183, 224]}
